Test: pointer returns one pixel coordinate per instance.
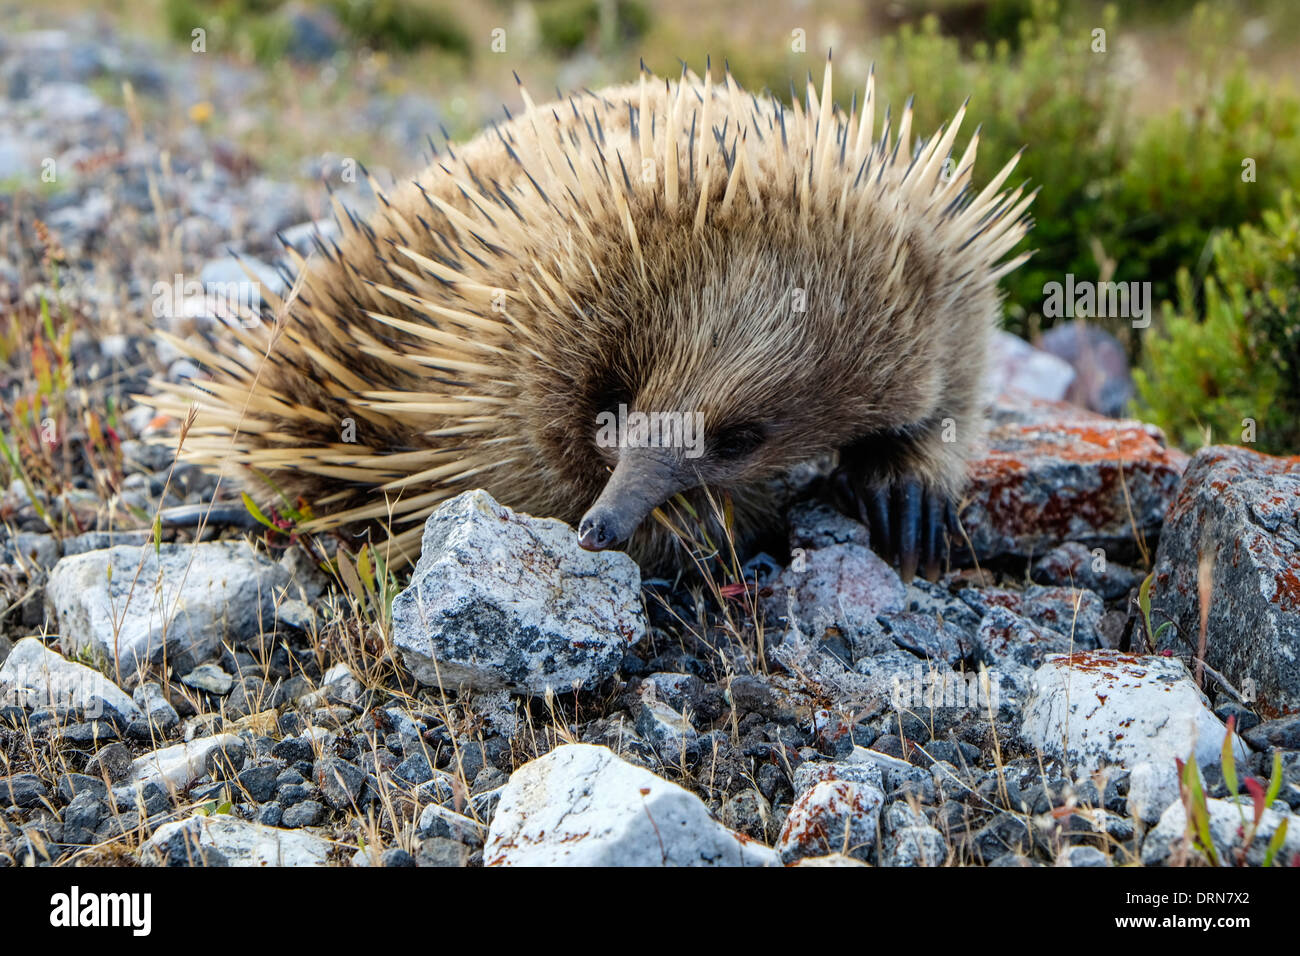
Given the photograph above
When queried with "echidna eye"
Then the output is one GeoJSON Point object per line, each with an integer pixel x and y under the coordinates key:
{"type": "Point", "coordinates": [736, 441]}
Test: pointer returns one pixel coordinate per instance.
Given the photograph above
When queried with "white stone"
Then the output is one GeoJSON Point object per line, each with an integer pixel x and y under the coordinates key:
{"type": "Point", "coordinates": [35, 677]}
{"type": "Point", "coordinates": [121, 605]}
{"type": "Point", "coordinates": [833, 816]}
{"type": "Point", "coordinates": [1152, 786]}
{"type": "Point", "coordinates": [242, 843]}
{"type": "Point", "coordinates": [1099, 708]}
{"type": "Point", "coordinates": [1018, 367]}
{"type": "Point", "coordinates": [580, 805]}
{"type": "Point", "coordinates": [504, 600]}
{"type": "Point", "coordinates": [175, 767]}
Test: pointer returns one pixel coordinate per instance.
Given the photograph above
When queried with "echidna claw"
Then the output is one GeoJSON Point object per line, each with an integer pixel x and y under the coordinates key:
{"type": "Point", "coordinates": [909, 522]}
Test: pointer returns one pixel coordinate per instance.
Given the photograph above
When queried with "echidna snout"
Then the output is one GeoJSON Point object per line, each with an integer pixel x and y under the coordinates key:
{"type": "Point", "coordinates": [643, 479]}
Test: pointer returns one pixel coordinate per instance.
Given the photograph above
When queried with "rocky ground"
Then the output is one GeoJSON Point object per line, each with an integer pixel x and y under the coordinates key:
{"type": "Point", "coordinates": [183, 693]}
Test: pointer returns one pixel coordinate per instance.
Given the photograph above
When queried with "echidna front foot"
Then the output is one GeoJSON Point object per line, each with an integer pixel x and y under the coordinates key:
{"type": "Point", "coordinates": [910, 521]}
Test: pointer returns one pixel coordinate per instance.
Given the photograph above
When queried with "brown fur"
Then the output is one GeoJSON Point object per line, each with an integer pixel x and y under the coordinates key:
{"type": "Point", "coordinates": [474, 328]}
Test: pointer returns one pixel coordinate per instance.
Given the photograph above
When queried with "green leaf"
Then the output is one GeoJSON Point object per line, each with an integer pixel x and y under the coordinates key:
{"type": "Point", "coordinates": [256, 512]}
{"type": "Point", "coordinates": [1229, 762]}
{"type": "Point", "coordinates": [1275, 841]}
{"type": "Point", "coordinates": [1274, 780]}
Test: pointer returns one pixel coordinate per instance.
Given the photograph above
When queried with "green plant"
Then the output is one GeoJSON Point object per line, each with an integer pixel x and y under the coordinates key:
{"type": "Point", "coordinates": [1210, 370]}
{"type": "Point", "coordinates": [1196, 803]}
{"type": "Point", "coordinates": [566, 25]}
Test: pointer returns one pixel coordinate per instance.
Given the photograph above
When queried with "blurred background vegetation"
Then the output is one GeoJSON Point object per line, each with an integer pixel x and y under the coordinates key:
{"type": "Point", "coordinates": [1138, 149]}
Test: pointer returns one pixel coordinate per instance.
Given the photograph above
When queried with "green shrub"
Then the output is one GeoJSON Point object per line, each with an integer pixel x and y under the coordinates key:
{"type": "Point", "coordinates": [566, 25]}
{"type": "Point", "coordinates": [1237, 355]}
{"type": "Point", "coordinates": [257, 28]}
{"type": "Point", "coordinates": [402, 24]}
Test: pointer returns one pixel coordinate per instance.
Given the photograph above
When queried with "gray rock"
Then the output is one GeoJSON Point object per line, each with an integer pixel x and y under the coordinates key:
{"type": "Point", "coordinates": [308, 813]}
{"type": "Point", "coordinates": [339, 781]}
{"type": "Point", "coordinates": [668, 731]}
{"type": "Point", "coordinates": [1073, 565]}
{"type": "Point", "coordinates": [840, 589]}
{"type": "Point", "coordinates": [914, 846]}
{"type": "Point", "coordinates": [439, 821]}
{"type": "Point", "coordinates": [1280, 734]}
{"type": "Point", "coordinates": [209, 677]}
{"type": "Point", "coordinates": [23, 790]}
{"type": "Point", "coordinates": [1082, 856]}
{"type": "Point", "coordinates": [1102, 381]}
{"type": "Point", "coordinates": [81, 818]}
{"type": "Point", "coordinates": [504, 600]}
{"type": "Point", "coordinates": [1241, 511]}
{"type": "Point", "coordinates": [1152, 787]}
{"type": "Point", "coordinates": [184, 601]}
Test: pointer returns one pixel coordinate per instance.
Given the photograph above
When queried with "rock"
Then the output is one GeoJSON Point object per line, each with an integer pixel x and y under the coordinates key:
{"type": "Point", "coordinates": [812, 772]}
{"type": "Point", "coordinates": [307, 813]}
{"type": "Point", "coordinates": [1282, 734]}
{"type": "Point", "coordinates": [1082, 856]}
{"type": "Point", "coordinates": [23, 790]}
{"type": "Point", "coordinates": [237, 842]}
{"type": "Point", "coordinates": [1006, 833]}
{"type": "Point", "coordinates": [209, 677]}
{"type": "Point", "coordinates": [81, 818]}
{"type": "Point", "coordinates": [1016, 366]}
{"type": "Point", "coordinates": [840, 589]}
{"type": "Point", "coordinates": [580, 805]}
{"type": "Point", "coordinates": [815, 525]}
{"type": "Point", "coordinates": [667, 730]}
{"type": "Point", "coordinates": [914, 846]}
{"type": "Point", "coordinates": [1044, 482]}
{"type": "Point", "coordinates": [1241, 511]}
{"type": "Point", "coordinates": [34, 677]}
{"type": "Point", "coordinates": [396, 856]}
{"type": "Point", "coordinates": [1167, 844]}
{"type": "Point", "coordinates": [439, 851]}
{"type": "Point", "coordinates": [505, 600]}
{"type": "Point", "coordinates": [438, 821]}
{"type": "Point", "coordinates": [834, 816]}
{"type": "Point", "coordinates": [1114, 708]}
{"type": "Point", "coordinates": [833, 859]}
{"type": "Point", "coordinates": [315, 33]}
{"type": "Point", "coordinates": [1006, 637]}
{"type": "Point", "coordinates": [159, 715]}
{"type": "Point", "coordinates": [339, 781]}
{"type": "Point", "coordinates": [113, 762]}
{"type": "Point", "coordinates": [258, 782]}
{"type": "Point", "coordinates": [1073, 565]}
{"type": "Point", "coordinates": [1152, 786]}
{"type": "Point", "coordinates": [185, 599]}
{"type": "Point", "coordinates": [1102, 381]}
{"type": "Point", "coordinates": [176, 767]}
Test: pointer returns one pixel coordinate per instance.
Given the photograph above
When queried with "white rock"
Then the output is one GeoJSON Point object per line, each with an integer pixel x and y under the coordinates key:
{"type": "Point", "coordinates": [177, 766]}
{"type": "Point", "coordinates": [1098, 708]}
{"type": "Point", "coordinates": [123, 604]}
{"type": "Point", "coordinates": [35, 677]}
{"type": "Point", "coordinates": [580, 805]}
{"type": "Point", "coordinates": [503, 600]}
{"type": "Point", "coordinates": [834, 816]}
{"type": "Point", "coordinates": [1152, 786]}
{"type": "Point", "coordinates": [1016, 366]}
{"type": "Point", "coordinates": [240, 842]}
{"type": "Point", "coordinates": [1166, 842]}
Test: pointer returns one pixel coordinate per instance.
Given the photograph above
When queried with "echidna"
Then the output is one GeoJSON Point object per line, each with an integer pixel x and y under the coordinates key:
{"type": "Point", "coordinates": [793, 280]}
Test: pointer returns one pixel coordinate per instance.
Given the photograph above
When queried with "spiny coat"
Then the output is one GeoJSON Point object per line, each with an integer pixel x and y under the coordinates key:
{"type": "Point", "coordinates": [800, 279]}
